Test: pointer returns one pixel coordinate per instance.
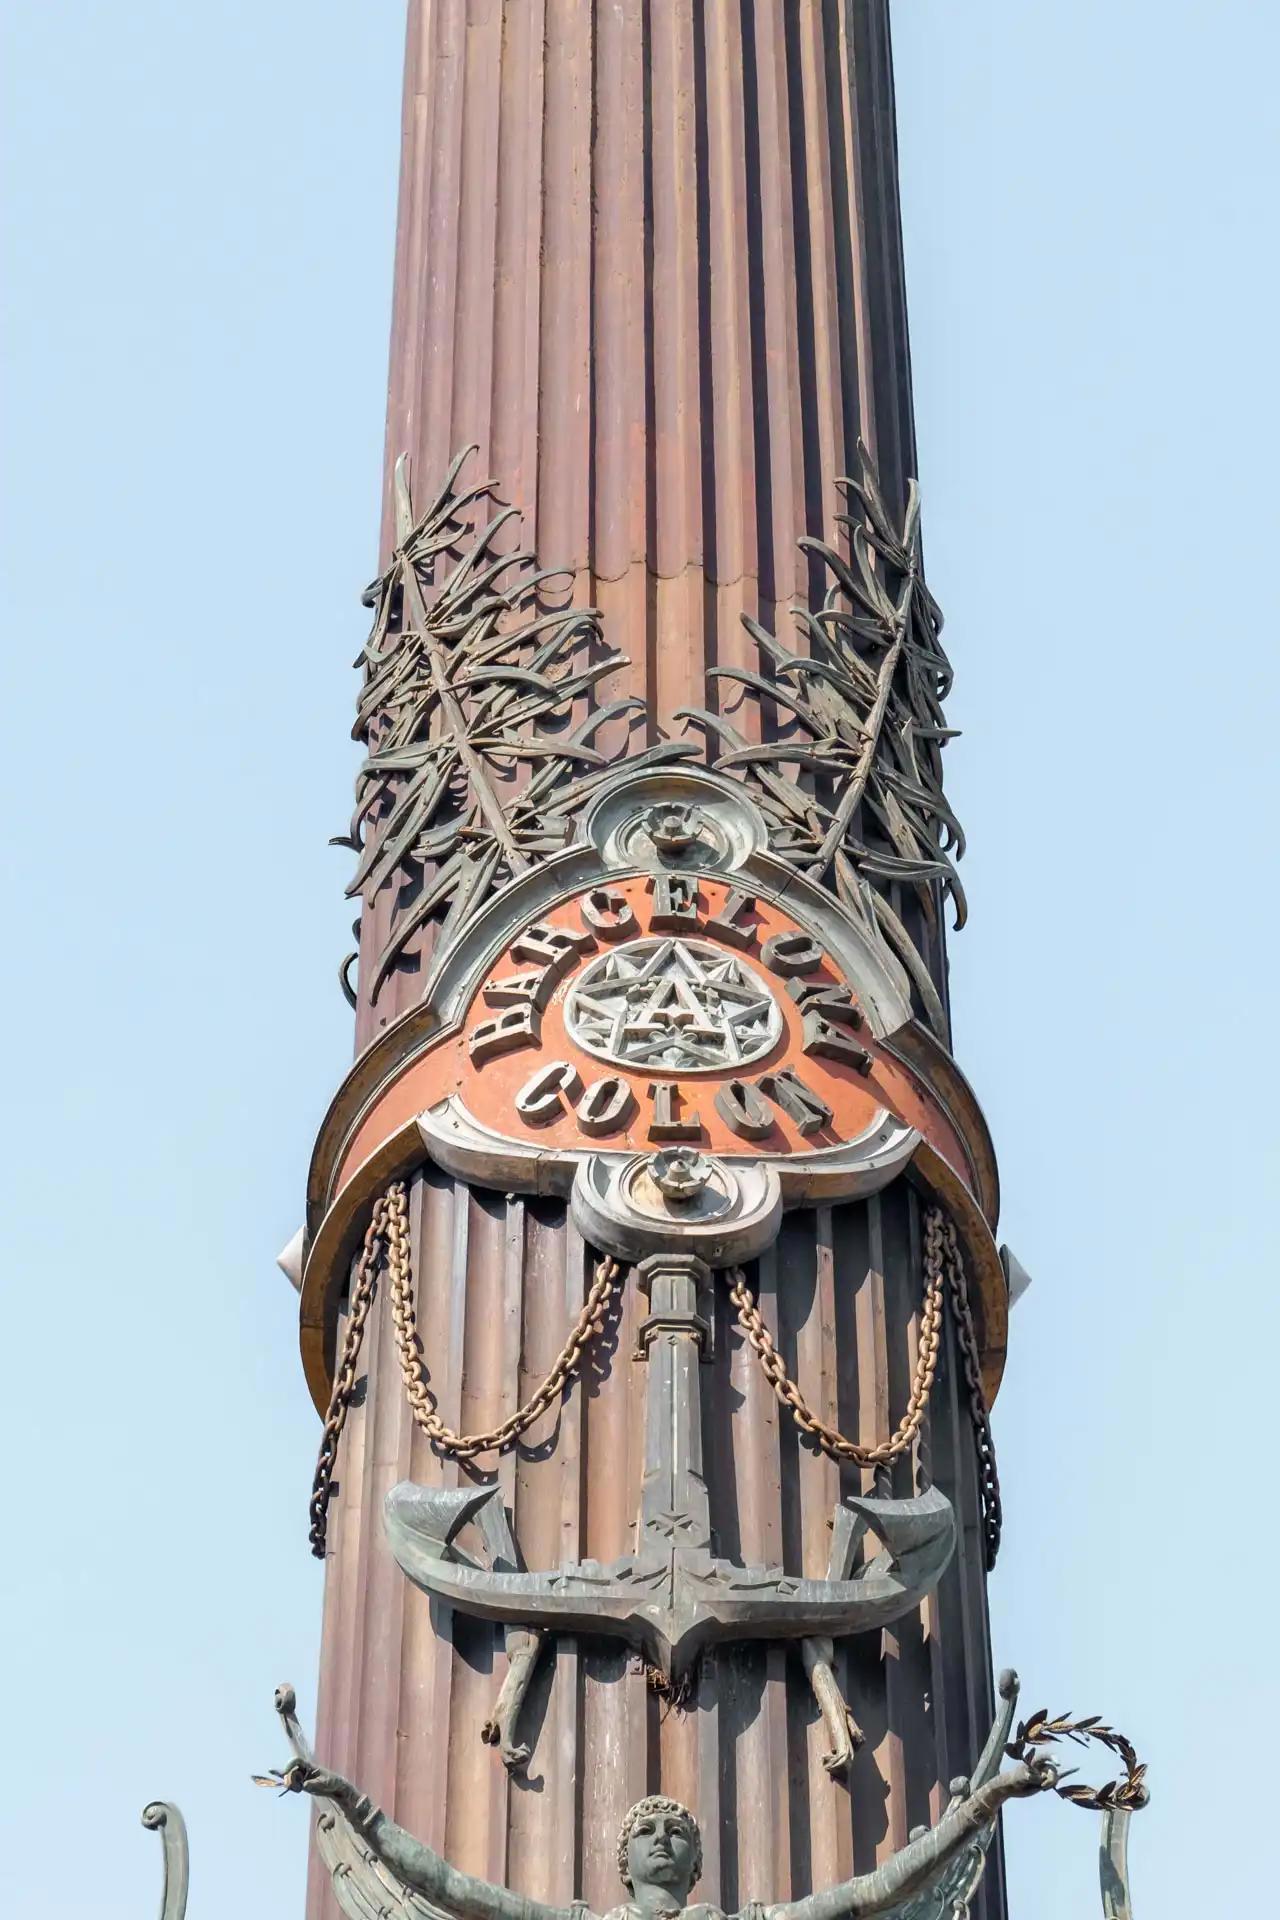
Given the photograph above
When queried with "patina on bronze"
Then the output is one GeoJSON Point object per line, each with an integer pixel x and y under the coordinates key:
{"type": "Point", "coordinates": [378, 1867]}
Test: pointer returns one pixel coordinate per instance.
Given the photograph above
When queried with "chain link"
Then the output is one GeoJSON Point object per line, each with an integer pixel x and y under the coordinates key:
{"type": "Point", "coordinates": [967, 1342]}
{"type": "Point", "coordinates": [944, 1268]}
{"type": "Point", "coordinates": [463, 1446]}
{"type": "Point", "coordinates": [363, 1288]}
{"type": "Point", "coordinates": [788, 1394]}
{"type": "Point", "coordinates": [387, 1246]}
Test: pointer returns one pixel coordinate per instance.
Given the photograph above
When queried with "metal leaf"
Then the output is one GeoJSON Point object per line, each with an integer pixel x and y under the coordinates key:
{"type": "Point", "coordinates": [868, 694]}
{"type": "Point", "coordinates": [471, 711]}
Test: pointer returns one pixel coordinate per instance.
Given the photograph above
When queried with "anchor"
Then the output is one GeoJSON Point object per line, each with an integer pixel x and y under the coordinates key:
{"type": "Point", "coordinates": [674, 1595]}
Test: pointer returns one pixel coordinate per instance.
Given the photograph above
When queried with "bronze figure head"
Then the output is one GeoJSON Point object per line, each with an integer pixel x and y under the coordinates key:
{"type": "Point", "coordinates": [660, 1845]}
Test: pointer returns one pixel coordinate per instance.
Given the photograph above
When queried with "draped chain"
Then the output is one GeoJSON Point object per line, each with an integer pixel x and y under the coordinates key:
{"type": "Point", "coordinates": [386, 1249]}
{"type": "Point", "coordinates": [363, 1286]}
{"type": "Point", "coordinates": [970, 1359]}
{"type": "Point", "coordinates": [944, 1274]}
{"type": "Point", "coordinates": [464, 1446]}
{"type": "Point", "coordinates": [788, 1394]}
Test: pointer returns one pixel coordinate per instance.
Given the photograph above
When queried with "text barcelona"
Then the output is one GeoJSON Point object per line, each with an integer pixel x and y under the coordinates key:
{"type": "Point", "coordinates": [667, 1008]}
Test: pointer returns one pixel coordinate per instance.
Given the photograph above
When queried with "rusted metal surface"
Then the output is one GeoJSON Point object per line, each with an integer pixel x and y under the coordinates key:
{"type": "Point", "coordinates": [648, 262]}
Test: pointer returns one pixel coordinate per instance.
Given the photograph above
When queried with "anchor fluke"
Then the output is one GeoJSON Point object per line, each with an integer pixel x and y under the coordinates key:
{"type": "Point", "coordinates": [918, 1535]}
{"type": "Point", "coordinates": [434, 1516]}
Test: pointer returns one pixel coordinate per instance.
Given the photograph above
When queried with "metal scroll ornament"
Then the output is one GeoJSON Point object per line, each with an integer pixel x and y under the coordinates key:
{"type": "Point", "coordinates": [162, 1817]}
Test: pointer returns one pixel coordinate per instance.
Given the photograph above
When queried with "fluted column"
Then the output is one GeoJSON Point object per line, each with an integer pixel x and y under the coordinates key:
{"type": "Point", "coordinates": [649, 261]}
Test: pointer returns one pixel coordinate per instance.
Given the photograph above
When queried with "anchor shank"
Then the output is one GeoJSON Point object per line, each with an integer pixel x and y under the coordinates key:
{"type": "Point", "coordinates": [675, 1517]}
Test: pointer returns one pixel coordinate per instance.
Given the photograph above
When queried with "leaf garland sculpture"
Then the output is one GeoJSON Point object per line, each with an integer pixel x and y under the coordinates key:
{"type": "Point", "coordinates": [851, 783]}
{"type": "Point", "coordinates": [476, 714]}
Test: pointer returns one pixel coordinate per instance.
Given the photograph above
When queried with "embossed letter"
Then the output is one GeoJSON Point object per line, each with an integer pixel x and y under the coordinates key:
{"type": "Point", "coordinates": [555, 947]}
{"type": "Point", "coordinates": [833, 1043]}
{"type": "Point", "coordinates": [675, 903]}
{"type": "Point", "coordinates": [739, 1105]}
{"type": "Point", "coordinates": [792, 953]}
{"type": "Point", "coordinates": [667, 1122]}
{"type": "Point", "coordinates": [539, 1101]}
{"type": "Point", "coordinates": [605, 1106]}
{"type": "Point", "coordinates": [822, 996]}
{"type": "Point", "coordinates": [727, 924]}
{"type": "Point", "coordinates": [517, 1027]}
{"type": "Point", "coordinates": [787, 1090]}
{"type": "Point", "coordinates": [607, 914]}
{"type": "Point", "coordinates": [522, 989]}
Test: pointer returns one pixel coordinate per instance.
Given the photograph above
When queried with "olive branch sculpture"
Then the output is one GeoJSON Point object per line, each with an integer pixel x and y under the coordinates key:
{"type": "Point", "coordinates": [471, 693]}
{"type": "Point", "coordinates": [1128, 1794]}
{"type": "Point", "coordinates": [853, 789]}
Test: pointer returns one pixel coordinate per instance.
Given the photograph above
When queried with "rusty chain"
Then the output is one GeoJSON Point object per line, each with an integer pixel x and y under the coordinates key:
{"type": "Point", "coordinates": [944, 1267]}
{"type": "Point", "coordinates": [1125, 1795]}
{"type": "Point", "coordinates": [788, 1394]}
{"type": "Point", "coordinates": [967, 1342]}
{"type": "Point", "coordinates": [344, 1379]}
{"type": "Point", "coordinates": [386, 1246]}
{"type": "Point", "coordinates": [463, 1446]}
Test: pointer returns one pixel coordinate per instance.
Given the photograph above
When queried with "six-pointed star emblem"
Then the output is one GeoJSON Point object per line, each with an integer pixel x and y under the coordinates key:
{"type": "Point", "coordinates": [673, 1003]}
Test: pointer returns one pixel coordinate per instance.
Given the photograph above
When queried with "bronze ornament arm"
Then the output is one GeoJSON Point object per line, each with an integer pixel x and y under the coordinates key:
{"type": "Point", "coordinates": [415, 1864]}
{"type": "Point", "coordinates": [916, 1865]}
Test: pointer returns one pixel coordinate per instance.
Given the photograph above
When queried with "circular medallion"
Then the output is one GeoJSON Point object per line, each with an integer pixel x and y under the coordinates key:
{"type": "Point", "coordinates": [673, 1003]}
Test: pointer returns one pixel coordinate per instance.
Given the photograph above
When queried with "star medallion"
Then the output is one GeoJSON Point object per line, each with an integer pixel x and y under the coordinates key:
{"type": "Point", "coordinates": [673, 1003]}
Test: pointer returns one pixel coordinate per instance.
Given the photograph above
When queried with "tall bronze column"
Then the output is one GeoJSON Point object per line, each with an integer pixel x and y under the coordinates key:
{"type": "Point", "coordinates": [655, 1000]}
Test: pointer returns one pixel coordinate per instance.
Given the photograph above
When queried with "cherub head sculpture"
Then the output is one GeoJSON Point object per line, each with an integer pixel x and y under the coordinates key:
{"type": "Point", "coordinates": [660, 1845]}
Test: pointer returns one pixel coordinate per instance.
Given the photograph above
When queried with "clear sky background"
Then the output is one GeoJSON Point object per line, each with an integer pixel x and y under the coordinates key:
{"type": "Point", "coordinates": [198, 212]}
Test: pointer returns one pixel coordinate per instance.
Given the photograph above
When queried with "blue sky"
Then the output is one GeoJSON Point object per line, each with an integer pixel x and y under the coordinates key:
{"type": "Point", "coordinates": [198, 221]}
